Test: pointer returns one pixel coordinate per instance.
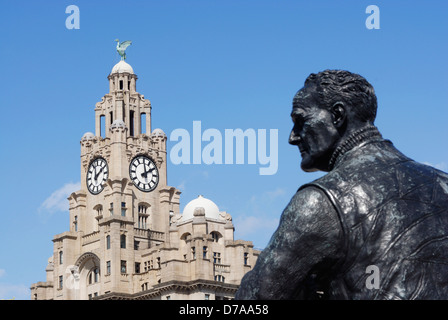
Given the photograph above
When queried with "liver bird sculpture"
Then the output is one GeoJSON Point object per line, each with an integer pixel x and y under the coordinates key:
{"type": "Point", "coordinates": [121, 48]}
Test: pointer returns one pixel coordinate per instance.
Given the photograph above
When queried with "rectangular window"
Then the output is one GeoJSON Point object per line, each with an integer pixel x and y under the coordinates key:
{"type": "Point", "coordinates": [123, 241]}
{"type": "Point", "coordinates": [204, 252]}
{"type": "Point", "coordinates": [107, 267]}
{"type": "Point", "coordinates": [246, 256]}
{"type": "Point", "coordinates": [76, 223]}
{"type": "Point", "coordinates": [102, 126]}
{"type": "Point", "coordinates": [111, 209]}
{"type": "Point", "coordinates": [137, 267]}
{"type": "Point", "coordinates": [123, 209]}
{"type": "Point", "coordinates": [61, 259]}
{"type": "Point", "coordinates": [219, 278]}
{"type": "Point", "coordinates": [131, 123]}
{"type": "Point", "coordinates": [108, 242]}
{"type": "Point", "coordinates": [193, 252]}
{"type": "Point", "coordinates": [143, 123]}
{"type": "Point", "coordinates": [123, 266]}
{"type": "Point", "coordinates": [61, 282]}
{"type": "Point", "coordinates": [206, 296]}
{"type": "Point", "coordinates": [216, 257]}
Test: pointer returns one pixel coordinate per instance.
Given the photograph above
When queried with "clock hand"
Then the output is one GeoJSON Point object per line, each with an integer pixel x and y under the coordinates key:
{"type": "Point", "coordinates": [98, 173]}
{"type": "Point", "coordinates": [145, 174]}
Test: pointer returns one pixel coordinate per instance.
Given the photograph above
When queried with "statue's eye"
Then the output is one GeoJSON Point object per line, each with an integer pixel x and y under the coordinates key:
{"type": "Point", "coordinates": [298, 120]}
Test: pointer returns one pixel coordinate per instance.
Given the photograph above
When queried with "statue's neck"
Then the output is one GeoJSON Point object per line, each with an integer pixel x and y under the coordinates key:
{"type": "Point", "coordinates": [356, 138]}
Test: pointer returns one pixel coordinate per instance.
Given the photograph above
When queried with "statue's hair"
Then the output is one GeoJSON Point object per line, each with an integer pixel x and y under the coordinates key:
{"type": "Point", "coordinates": [350, 88]}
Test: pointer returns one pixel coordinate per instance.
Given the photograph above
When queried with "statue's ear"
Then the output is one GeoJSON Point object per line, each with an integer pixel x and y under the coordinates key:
{"type": "Point", "coordinates": [339, 114]}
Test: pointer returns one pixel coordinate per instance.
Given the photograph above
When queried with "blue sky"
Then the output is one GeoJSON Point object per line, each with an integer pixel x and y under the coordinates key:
{"type": "Point", "coordinates": [229, 64]}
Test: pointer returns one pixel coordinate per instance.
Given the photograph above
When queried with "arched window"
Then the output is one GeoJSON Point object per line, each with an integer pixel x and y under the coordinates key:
{"type": "Point", "coordinates": [184, 238]}
{"type": "Point", "coordinates": [143, 214]}
{"type": "Point", "coordinates": [94, 276]}
{"type": "Point", "coordinates": [98, 210]}
{"type": "Point", "coordinates": [216, 236]}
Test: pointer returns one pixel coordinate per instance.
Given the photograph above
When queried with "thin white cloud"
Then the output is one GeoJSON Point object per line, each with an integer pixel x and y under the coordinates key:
{"type": "Point", "coordinates": [261, 216]}
{"type": "Point", "coordinates": [441, 165]}
{"type": "Point", "coordinates": [272, 195]}
{"type": "Point", "coordinates": [248, 227]}
{"type": "Point", "coordinates": [182, 185]}
{"type": "Point", "coordinates": [267, 197]}
{"type": "Point", "coordinates": [57, 201]}
{"type": "Point", "coordinates": [14, 292]}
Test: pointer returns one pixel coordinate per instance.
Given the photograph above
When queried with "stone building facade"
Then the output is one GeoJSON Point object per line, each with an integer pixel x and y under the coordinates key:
{"type": "Point", "coordinates": [127, 237]}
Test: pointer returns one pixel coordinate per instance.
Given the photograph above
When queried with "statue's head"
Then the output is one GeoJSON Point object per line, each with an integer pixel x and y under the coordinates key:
{"type": "Point", "coordinates": [331, 105]}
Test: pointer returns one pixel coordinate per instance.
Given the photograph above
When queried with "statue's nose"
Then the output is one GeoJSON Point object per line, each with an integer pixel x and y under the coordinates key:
{"type": "Point", "coordinates": [294, 139]}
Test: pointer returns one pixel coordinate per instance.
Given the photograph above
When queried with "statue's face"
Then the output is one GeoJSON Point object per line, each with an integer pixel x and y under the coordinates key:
{"type": "Point", "coordinates": [313, 131]}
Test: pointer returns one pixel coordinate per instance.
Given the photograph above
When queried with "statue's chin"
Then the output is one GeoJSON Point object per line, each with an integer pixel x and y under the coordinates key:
{"type": "Point", "coordinates": [307, 167]}
{"type": "Point", "coordinates": [310, 169]}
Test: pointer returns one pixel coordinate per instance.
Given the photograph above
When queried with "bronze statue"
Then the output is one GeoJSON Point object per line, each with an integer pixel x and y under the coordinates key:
{"type": "Point", "coordinates": [374, 208]}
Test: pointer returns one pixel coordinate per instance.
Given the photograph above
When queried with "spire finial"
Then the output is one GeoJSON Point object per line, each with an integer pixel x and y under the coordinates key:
{"type": "Point", "coordinates": [121, 48]}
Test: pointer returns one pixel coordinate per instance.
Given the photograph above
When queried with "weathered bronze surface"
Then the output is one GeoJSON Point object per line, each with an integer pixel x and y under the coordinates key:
{"type": "Point", "coordinates": [375, 207]}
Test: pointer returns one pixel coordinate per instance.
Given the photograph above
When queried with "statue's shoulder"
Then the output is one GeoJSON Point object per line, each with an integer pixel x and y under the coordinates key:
{"type": "Point", "coordinates": [310, 194]}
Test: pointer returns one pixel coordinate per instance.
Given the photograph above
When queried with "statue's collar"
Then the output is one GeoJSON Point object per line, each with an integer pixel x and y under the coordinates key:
{"type": "Point", "coordinates": [357, 138]}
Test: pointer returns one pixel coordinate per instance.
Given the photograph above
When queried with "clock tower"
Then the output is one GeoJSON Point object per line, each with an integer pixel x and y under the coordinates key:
{"type": "Point", "coordinates": [123, 165]}
{"type": "Point", "coordinates": [127, 238]}
{"type": "Point", "coordinates": [124, 203]}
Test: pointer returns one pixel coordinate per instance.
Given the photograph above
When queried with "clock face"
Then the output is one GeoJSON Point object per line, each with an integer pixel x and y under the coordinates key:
{"type": "Point", "coordinates": [144, 173]}
{"type": "Point", "coordinates": [97, 175]}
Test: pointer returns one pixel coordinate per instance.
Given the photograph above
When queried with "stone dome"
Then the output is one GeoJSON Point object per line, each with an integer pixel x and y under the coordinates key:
{"type": "Point", "coordinates": [207, 206]}
{"type": "Point", "coordinates": [158, 133]}
{"type": "Point", "coordinates": [122, 67]}
{"type": "Point", "coordinates": [118, 124]}
{"type": "Point", "coordinates": [88, 136]}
